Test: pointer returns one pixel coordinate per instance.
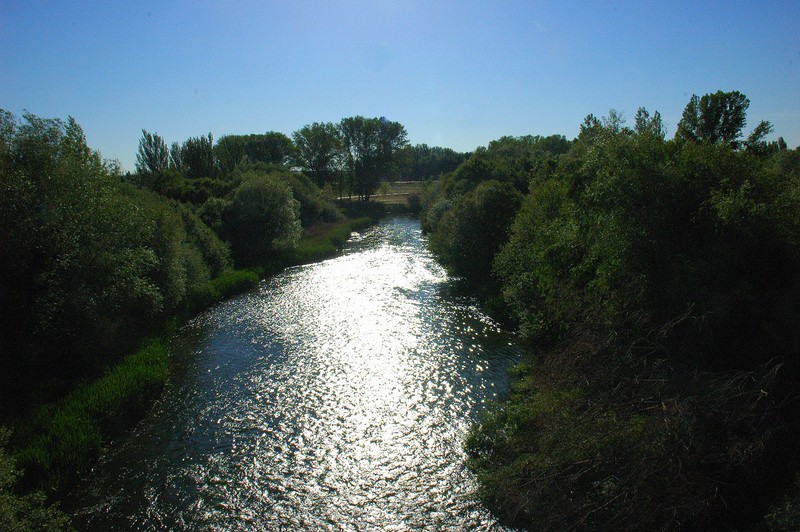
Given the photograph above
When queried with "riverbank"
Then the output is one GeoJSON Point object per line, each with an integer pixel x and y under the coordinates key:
{"type": "Point", "coordinates": [336, 394]}
{"type": "Point", "coordinates": [61, 439]}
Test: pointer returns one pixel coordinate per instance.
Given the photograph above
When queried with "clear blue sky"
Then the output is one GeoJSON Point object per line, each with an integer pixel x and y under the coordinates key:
{"type": "Point", "coordinates": [456, 73]}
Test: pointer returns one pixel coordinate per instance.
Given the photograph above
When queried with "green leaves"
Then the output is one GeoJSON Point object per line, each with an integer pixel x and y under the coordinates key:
{"type": "Point", "coordinates": [370, 145]}
{"type": "Point", "coordinates": [263, 218]}
{"type": "Point", "coordinates": [716, 118]}
{"type": "Point", "coordinates": [152, 157]}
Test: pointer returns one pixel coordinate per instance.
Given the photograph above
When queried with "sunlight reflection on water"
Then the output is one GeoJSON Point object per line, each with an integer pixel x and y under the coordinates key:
{"type": "Point", "coordinates": [337, 395]}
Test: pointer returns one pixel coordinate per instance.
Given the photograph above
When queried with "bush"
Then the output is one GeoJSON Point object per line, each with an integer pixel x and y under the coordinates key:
{"type": "Point", "coordinates": [472, 231]}
{"type": "Point", "coordinates": [27, 512]}
{"type": "Point", "coordinates": [603, 433]}
{"type": "Point", "coordinates": [262, 220]}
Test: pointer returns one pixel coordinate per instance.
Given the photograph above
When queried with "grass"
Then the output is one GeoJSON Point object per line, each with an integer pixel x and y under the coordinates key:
{"type": "Point", "coordinates": [325, 240]}
{"type": "Point", "coordinates": [229, 283]}
{"type": "Point", "coordinates": [63, 438]}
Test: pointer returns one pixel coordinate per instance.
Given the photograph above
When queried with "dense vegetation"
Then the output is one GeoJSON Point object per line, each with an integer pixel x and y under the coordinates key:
{"type": "Point", "coordinates": [95, 265]}
{"type": "Point", "coordinates": [659, 281]}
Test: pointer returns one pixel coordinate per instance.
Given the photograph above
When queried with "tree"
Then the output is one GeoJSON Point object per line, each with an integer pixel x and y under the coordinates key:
{"type": "Point", "coordinates": [647, 125]}
{"type": "Point", "coordinates": [153, 155]}
{"type": "Point", "coordinates": [716, 118]}
{"type": "Point", "coordinates": [176, 159]}
{"type": "Point", "coordinates": [84, 257]}
{"type": "Point", "coordinates": [756, 142]}
{"type": "Point", "coordinates": [431, 161]}
{"type": "Point", "coordinates": [197, 155]}
{"type": "Point", "coordinates": [370, 145]}
{"type": "Point", "coordinates": [229, 152]}
{"type": "Point", "coordinates": [471, 233]}
{"type": "Point", "coordinates": [262, 219]}
{"type": "Point", "coordinates": [272, 147]}
{"type": "Point", "coordinates": [318, 149]}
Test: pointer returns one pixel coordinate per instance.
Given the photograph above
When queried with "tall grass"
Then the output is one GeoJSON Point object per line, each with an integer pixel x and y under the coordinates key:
{"type": "Point", "coordinates": [64, 438]}
{"type": "Point", "coordinates": [326, 240]}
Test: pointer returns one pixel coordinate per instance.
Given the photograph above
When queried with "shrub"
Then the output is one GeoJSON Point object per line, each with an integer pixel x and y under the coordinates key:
{"type": "Point", "coordinates": [262, 220]}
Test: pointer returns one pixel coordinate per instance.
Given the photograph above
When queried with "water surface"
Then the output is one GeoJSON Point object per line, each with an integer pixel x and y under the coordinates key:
{"type": "Point", "coordinates": [336, 396]}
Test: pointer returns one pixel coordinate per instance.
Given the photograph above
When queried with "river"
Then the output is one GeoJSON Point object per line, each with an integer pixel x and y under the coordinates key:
{"type": "Point", "coordinates": [335, 396]}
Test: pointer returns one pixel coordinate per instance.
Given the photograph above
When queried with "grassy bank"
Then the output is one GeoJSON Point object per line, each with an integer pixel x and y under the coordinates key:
{"type": "Point", "coordinates": [228, 284]}
{"type": "Point", "coordinates": [325, 240]}
{"type": "Point", "coordinates": [61, 439]}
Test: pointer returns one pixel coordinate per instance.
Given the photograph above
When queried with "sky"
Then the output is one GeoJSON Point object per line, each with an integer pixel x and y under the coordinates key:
{"type": "Point", "coordinates": [456, 74]}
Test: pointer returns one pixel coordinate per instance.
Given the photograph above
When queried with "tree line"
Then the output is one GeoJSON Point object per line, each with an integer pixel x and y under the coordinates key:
{"type": "Point", "coordinates": [90, 258]}
{"type": "Point", "coordinates": [657, 281]}
{"type": "Point", "coordinates": [350, 158]}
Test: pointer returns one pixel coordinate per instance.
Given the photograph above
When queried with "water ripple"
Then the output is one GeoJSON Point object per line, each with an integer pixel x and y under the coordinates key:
{"type": "Point", "coordinates": [336, 396]}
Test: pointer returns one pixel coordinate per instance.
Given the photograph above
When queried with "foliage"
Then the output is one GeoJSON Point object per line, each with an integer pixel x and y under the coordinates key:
{"type": "Point", "coordinates": [719, 118]}
{"type": "Point", "coordinates": [197, 157]}
{"type": "Point", "coordinates": [263, 219]}
{"type": "Point", "coordinates": [315, 207]}
{"type": "Point", "coordinates": [659, 279]}
{"type": "Point", "coordinates": [229, 152]}
{"type": "Point", "coordinates": [318, 151]}
{"type": "Point", "coordinates": [153, 155]}
{"type": "Point", "coordinates": [269, 148]}
{"type": "Point", "coordinates": [600, 433]}
{"type": "Point", "coordinates": [426, 162]}
{"type": "Point", "coordinates": [27, 512]}
{"type": "Point", "coordinates": [471, 232]}
{"type": "Point", "coordinates": [629, 221]}
{"type": "Point", "coordinates": [87, 262]}
{"type": "Point", "coordinates": [370, 146]}
{"type": "Point", "coordinates": [72, 247]}
{"type": "Point", "coordinates": [468, 212]}
{"type": "Point", "coordinates": [512, 159]}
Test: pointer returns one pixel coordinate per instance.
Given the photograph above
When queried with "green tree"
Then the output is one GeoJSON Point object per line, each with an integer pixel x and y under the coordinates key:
{"type": "Point", "coordinates": [647, 125]}
{"type": "Point", "coordinates": [756, 141]}
{"type": "Point", "coordinates": [176, 159]}
{"type": "Point", "coordinates": [153, 163]}
{"type": "Point", "coordinates": [318, 152]}
{"type": "Point", "coordinates": [716, 118]}
{"type": "Point", "coordinates": [370, 145]}
{"type": "Point", "coordinates": [427, 162]}
{"type": "Point", "coordinates": [648, 271]}
{"type": "Point", "coordinates": [153, 155]}
{"type": "Point", "coordinates": [229, 152]}
{"type": "Point", "coordinates": [197, 157]}
{"type": "Point", "coordinates": [262, 220]}
{"type": "Point", "coordinates": [473, 230]}
{"type": "Point", "coordinates": [85, 260]}
{"type": "Point", "coordinates": [270, 148]}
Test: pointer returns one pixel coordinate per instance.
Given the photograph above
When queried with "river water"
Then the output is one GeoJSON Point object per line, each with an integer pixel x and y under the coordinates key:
{"type": "Point", "coordinates": [335, 396]}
